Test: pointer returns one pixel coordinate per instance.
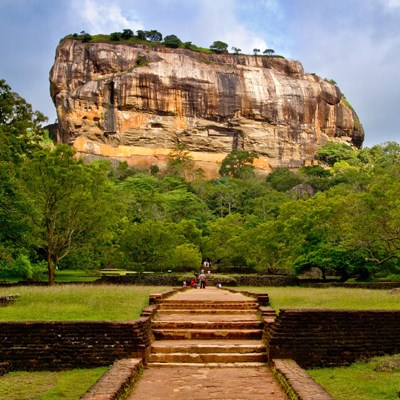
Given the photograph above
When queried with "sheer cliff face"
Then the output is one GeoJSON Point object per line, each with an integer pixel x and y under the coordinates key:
{"type": "Point", "coordinates": [136, 103]}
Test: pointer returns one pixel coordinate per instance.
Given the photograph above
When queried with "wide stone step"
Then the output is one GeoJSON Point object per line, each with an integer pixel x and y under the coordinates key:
{"type": "Point", "coordinates": [207, 357]}
{"type": "Point", "coordinates": [207, 334]}
{"type": "Point", "coordinates": [208, 305]}
{"type": "Point", "coordinates": [210, 311]}
{"type": "Point", "coordinates": [209, 365]}
{"type": "Point", "coordinates": [207, 324]}
{"type": "Point", "coordinates": [204, 347]}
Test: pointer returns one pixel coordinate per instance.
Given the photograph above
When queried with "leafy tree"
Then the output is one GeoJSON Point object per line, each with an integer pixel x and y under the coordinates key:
{"type": "Point", "coordinates": [153, 36]}
{"type": "Point", "coordinates": [86, 37]}
{"type": "Point", "coordinates": [181, 163]}
{"type": "Point", "coordinates": [238, 164]}
{"type": "Point", "coordinates": [172, 41]}
{"type": "Point", "coordinates": [116, 36]}
{"type": "Point", "coordinates": [224, 196]}
{"type": "Point", "coordinates": [219, 47]}
{"type": "Point", "coordinates": [186, 257]}
{"type": "Point", "coordinates": [381, 156]}
{"type": "Point", "coordinates": [256, 51]}
{"type": "Point", "coordinates": [72, 204]}
{"type": "Point", "coordinates": [150, 245]}
{"type": "Point", "coordinates": [263, 247]}
{"type": "Point", "coordinates": [236, 50]}
{"type": "Point", "coordinates": [126, 34]}
{"type": "Point", "coordinates": [21, 130]}
{"type": "Point", "coordinates": [217, 245]}
{"type": "Point", "coordinates": [21, 134]}
{"type": "Point", "coordinates": [141, 34]}
{"type": "Point", "coordinates": [318, 177]}
{"type": "Point", "coordinates": [283, 179]}
{"type": "Point", "coordinates": [333, 152]}
{"type": "Point", "coordinates": [268, 52]}
{"type": "Point", "coordinates": [374, 226]}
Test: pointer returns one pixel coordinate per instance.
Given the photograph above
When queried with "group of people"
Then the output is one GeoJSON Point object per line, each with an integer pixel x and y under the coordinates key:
{"type": "Point", "coordinates": [201, 279]}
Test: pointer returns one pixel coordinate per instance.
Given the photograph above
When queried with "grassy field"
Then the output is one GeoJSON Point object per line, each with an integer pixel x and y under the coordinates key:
{"type": "Point", "coordinates": [76, 302]}
{"type": "Point", "coordinates": [361, 381]}
{"type": "Point", "coordinates": [66, 385]}
{"type": "Point", "coordinates": [333, 298]}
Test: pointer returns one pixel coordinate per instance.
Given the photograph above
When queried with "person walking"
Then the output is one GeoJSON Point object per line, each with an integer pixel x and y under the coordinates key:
{"type": "Point", "coordinates": [202, 279]}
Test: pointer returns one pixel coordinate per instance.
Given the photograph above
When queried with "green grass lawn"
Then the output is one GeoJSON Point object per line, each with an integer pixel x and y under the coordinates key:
{"type": "Point", "coordinates": [66, 385]}
{"type": "Point", "coordinates": [60, 277]}
{"type": "Point", "coordinates": [77, 302]}
{"type": "Point", "coordinates": [76, 276]}
{"type": "Point", "coordinates": [333, 298]}
{"type": "Point", "coordinates": [360, 381]}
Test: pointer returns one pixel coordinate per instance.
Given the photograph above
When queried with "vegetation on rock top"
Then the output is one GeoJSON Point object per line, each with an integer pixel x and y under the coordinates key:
{"type": "Point", "coordinates": [155, 38]}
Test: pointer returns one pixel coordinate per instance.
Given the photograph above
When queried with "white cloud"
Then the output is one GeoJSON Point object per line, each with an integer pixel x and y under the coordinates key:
{"type": "Point", "coordinates": [393, 3]}
{"type": "Point", "coordinates": [98, 16]}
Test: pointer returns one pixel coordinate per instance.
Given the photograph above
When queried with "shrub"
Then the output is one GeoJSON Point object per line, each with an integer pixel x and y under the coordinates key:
{"type": "Point", "coordinates": [116, 36]}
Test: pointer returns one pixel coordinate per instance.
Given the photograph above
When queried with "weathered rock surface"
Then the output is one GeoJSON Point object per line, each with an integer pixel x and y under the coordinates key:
{"type": "Point", "coordinates": [136, 103]}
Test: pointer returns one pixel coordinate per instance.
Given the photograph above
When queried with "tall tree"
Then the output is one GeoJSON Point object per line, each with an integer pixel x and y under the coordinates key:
{"type": "Point", "coordinates": [20, 135]}
{"type": "Point", "coordinates": [21, 129]}
{"type": "Point", "coordinates": [238, 164]}
{"type": "Point", "coordinates": [72, 204]}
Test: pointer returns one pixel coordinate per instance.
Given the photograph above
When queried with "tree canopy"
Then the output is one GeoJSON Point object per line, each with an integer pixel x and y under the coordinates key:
{"type": "Point", "coordinates": [341, 217]}
{"type": "Point", "coordinates": [219, 47]}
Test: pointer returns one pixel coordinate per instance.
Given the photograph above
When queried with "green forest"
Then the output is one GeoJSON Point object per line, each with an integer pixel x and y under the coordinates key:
{"type": "Point", "coordinates": [57, 211]}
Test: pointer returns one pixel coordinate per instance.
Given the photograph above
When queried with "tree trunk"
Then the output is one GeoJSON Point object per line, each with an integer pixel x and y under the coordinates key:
{"type": "Point", "coordinates": [50, 271]}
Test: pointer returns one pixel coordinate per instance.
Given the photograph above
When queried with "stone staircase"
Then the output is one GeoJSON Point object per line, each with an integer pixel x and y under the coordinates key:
{"type": "Point", "coordinates": [207, 333]}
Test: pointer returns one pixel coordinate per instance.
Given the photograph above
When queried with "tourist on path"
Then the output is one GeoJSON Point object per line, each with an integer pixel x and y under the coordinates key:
{"type": "Point", "coordinates": [202, 279]}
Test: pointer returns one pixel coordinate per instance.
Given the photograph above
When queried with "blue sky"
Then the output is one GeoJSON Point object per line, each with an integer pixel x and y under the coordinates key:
{"type": "Point", "coordinates": [354, 42]}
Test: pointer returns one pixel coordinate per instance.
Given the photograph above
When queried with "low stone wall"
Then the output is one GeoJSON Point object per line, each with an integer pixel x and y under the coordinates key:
{"type": "Point", "coordinates": [142, 279]}
{"type": "Point", "coordinates": [64, 345]}
{"type": "Point", "coordinates": [322, 338]}
{"type": "Point", "coordinates": [116, 382]}
{"type": "Point", "coordinates": [175, 280]}
{"type": "Point", "coordinates": [296, 382]}
{"type": "Point", "coordinates": [266, 280]}
{"type": "Point", "coordinates": [350, 285]}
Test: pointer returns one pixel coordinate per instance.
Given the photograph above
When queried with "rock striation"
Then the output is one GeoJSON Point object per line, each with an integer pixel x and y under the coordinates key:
{"type": "Point", "coordinates": [136, 103]}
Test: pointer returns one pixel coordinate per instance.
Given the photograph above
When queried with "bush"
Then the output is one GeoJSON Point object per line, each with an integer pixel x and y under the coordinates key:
{"type": "Point", "coordinates": [23, 268]}
{"type": "Point", "coordinates": [172, 41]}
{"type": "Point", "coordinates": [116, 36]}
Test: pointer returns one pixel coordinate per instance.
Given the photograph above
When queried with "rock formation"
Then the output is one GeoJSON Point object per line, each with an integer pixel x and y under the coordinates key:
{"type": "Point", "coordinates": [136, 103]}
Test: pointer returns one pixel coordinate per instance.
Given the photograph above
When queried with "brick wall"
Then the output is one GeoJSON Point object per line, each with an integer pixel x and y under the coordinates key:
{"type": "Point", "coordinates": [63, 345]}
{"type": "Point", "coordinates": [333, 337]}
{"type": "Point", "coordinates": [175, 280]}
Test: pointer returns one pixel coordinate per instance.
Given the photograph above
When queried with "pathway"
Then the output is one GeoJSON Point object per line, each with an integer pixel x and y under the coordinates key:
{"type": "Point", "coordinates": [208, 346]}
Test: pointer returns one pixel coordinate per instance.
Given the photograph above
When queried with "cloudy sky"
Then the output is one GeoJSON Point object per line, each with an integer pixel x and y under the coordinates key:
{"type": "Point", "coordinates": [354, 42]}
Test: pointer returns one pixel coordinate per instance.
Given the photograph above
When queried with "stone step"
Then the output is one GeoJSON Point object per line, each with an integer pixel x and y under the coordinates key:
{"type": "Point", "coordinates": [218, 311]}
{"type": "Point", "coordinates": [207, 317]}
{"type": "Point", "coordinates": [209, 365]}
{"type": "Point", "coordinates": [207, 357]}
{"type": "Point", "coordinates": [206, 346]}
{"type": "Point", "coordinates": [165, 324]}
{"type": "Point", "coordinates": [207, 334]}
{"type": "Point", "coordinates": [268, 312]}
{"type": "Point", "coordinates": [208, 305]}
